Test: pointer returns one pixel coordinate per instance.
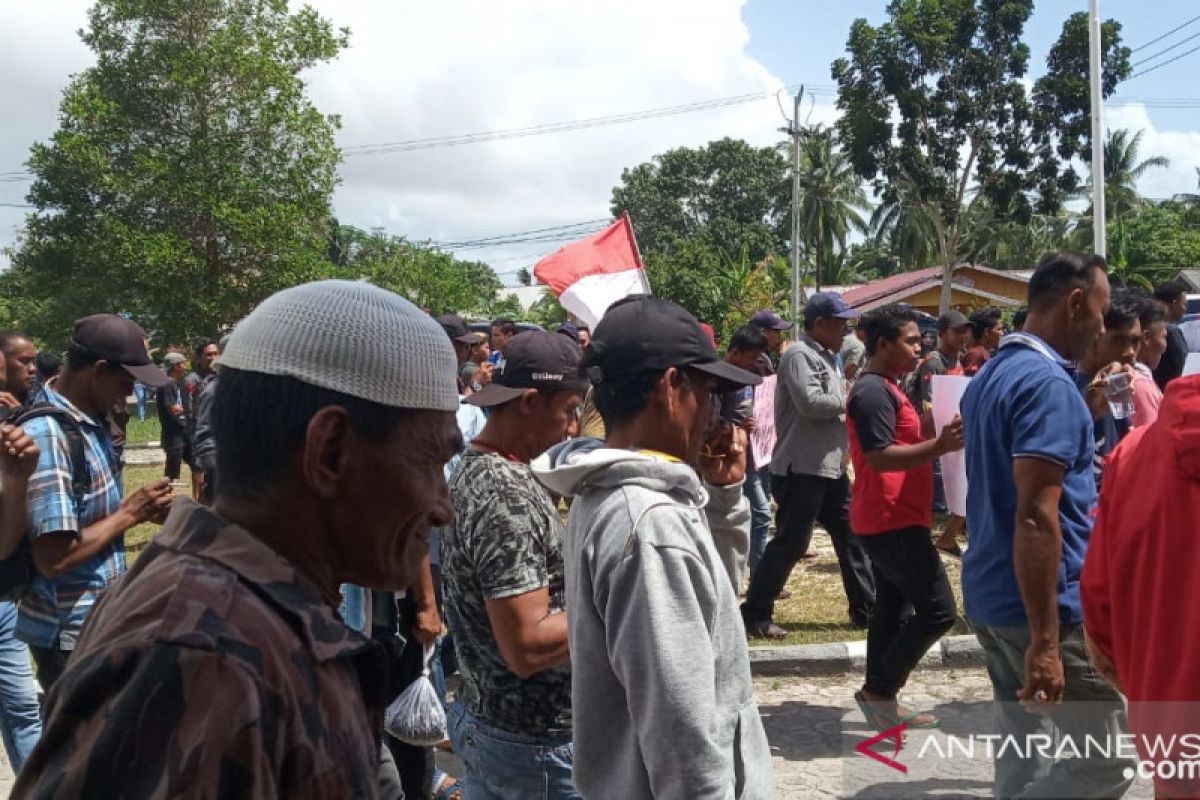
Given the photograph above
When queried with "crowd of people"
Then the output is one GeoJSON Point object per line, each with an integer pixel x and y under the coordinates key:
{"type": "Point", "coordinates": [558, 526]}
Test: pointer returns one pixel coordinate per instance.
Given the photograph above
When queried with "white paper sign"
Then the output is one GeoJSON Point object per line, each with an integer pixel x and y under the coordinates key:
{"type": "Point", "coordinates": [762, 438]}
{"type": "Point", "coordinates": [1192, 365]}
{"type": "Point", "coordinates": [947, 392]}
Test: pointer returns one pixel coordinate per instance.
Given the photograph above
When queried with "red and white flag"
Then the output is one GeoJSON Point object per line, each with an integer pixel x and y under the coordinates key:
{"type": "Point", "coordinates": [590, 275]}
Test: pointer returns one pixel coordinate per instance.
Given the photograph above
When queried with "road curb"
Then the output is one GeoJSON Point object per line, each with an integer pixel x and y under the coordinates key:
{"type": "Point", "coordinates": [843, 657]}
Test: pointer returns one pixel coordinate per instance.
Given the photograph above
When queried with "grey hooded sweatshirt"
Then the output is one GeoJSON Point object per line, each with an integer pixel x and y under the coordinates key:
{"type": "Point", "coordinates": [661, 695]}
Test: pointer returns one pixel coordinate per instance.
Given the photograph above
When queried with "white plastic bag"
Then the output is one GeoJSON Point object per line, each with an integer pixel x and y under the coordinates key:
{"type": "Point", "coordinates": [416, 717]}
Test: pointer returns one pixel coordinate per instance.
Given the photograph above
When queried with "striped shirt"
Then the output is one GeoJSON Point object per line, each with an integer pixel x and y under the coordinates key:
{"type": "Point", "coordinates": [53, 611]}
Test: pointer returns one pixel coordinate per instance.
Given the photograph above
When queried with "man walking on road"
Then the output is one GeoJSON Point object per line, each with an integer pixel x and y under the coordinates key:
{"type": "Point", "coordinates": [1029, 449]}
{"type": "Point", "coordinates": [808, 470]}
{"type": "Point", "coordinates": [661, 695]}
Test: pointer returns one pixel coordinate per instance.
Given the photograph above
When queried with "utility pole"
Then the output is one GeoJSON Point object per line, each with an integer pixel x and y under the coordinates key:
{"type": "Point", "coordinates": [793, 130]}
{"type": "Point", "coordinates": [1095, 67]}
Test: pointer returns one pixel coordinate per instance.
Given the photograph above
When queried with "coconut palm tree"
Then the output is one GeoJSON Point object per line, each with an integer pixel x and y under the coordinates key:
{"type": "Point", "coordinates": [906, 232]}
{"type": "Point", "coordinates": [1122, 171]}
{"type": "Point", "coordinates": [832, 201]}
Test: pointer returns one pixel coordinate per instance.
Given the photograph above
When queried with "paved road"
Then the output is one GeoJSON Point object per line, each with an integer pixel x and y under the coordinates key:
{"type": "Point", "coordinates": [813, 726]}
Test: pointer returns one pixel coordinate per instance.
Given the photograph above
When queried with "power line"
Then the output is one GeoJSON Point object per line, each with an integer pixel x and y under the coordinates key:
{"type": "Point", "coordinates": [1165, 35]}
{"type": "Point", "coordinates": [1164, 63]}
{"type": "Point", "coordinates": [1166, 50]}
{"type": "Point", "coordinates": [552, 229]}
{"type": "Point", "coordinates": [554, 127]}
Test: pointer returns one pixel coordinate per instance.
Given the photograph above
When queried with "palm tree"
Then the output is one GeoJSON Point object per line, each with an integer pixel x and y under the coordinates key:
{"type": "Point", "coordinates": [906, 232]}
{"type": "Point", "coordinates": [1122, 171]}
{"type": "Point", "coordinates": [831, 201]}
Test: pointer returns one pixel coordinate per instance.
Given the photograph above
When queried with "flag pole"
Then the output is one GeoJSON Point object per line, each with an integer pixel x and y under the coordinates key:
{"type": "Point", "coordinates": [637, 251]}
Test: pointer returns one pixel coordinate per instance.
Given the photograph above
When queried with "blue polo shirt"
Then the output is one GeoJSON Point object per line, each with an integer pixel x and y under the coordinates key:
{"type": "Point", "coordinates": [1023, 402]}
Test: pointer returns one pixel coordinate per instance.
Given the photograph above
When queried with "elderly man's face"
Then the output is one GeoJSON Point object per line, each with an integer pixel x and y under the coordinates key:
{"type": "Point", "coordinates": [394, 493]}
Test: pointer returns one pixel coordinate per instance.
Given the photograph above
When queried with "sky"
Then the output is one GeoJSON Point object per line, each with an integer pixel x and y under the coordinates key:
{"type": "Point", "coordinates": [417, 70]}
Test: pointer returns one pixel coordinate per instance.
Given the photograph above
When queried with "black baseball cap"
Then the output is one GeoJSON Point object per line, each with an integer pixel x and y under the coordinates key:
{"type": "Point", "coordinates": [769, 320]}
{"type": "Point", "coordinates": [649, 334]}
{"type": "Point", "coordinates": [951, 320]}
{"type": "Point", "coordinates": [119, 341]}
{"type": "Point", "coordinates": [457, 329]}
{"type": "Point", "coordinates": [827, 304]}
{"type": "Point", "coordinates": [532, 360]}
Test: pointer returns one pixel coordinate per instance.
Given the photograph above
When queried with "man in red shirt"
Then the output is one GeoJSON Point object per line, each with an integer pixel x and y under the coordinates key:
{"type": "Point", "coordinates": [891, 512]}
{"type": "Point", "coordinates": [987, 326]}
{"type": "Point", "coordinates": [1139, 593]}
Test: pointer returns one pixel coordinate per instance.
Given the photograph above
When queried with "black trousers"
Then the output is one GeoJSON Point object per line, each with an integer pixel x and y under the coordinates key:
{"type": "Point", "coordinates": [177, 452]}
{"type": "Point", "coordinates": [804, 500]}
{"type": "Point", "coordinates": [393, 625]}
{"type": "Point", "coordinates": [914, 605]}
{"type": "Point", "coordinates": [51, 663]}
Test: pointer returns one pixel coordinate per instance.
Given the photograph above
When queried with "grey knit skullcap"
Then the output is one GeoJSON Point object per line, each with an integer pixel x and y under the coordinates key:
{"type": "Point", "coordinates": [350, 337]}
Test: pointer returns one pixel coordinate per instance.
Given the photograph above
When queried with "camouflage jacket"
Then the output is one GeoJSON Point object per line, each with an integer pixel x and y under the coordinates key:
{"type": "Point", "coordinates": [212, 670]}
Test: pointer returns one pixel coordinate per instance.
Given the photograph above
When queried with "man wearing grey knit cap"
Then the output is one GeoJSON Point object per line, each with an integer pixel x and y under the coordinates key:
{"type": "Point", "coordinates": [220, 666]}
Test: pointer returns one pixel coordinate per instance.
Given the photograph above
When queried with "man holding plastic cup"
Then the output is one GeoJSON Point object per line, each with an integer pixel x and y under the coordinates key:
{"type": "Point", "coordinates": [1106, 376]}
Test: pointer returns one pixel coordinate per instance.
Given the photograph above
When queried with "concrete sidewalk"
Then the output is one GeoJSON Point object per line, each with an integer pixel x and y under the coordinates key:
{"type": "Point", "coordinates": [843, 657]}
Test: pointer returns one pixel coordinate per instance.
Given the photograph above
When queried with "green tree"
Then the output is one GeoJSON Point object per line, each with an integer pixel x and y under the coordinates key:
{"type": "Point", "coordinates": [952, 72]}
{"type": "Point", "coordinates": [434, 280]}
{"type": "Point", "coordinates": [1154, 242]}
{"type": "Point", "coordinates": [190, 176]}
{"type": "Point", "coordinates": [524, 277]}
{"type": "Point", "coordinates": [1122, 171]}
{"type": "Point", "coordinates": [832, 200]}
{"type": "Point", "coordinates": [727, 194]}
{"type": "Point", "coordinates": [905, 232]}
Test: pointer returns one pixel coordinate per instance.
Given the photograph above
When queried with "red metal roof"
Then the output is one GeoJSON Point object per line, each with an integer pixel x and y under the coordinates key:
{"type": "Point", "coordinates": [890, 285]}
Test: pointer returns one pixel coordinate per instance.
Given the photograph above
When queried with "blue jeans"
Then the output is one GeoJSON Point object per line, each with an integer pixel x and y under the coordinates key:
{"type": "Point", "coordinates": [509, 766]}
{"type": "Point", "coordinates": [939, 489]}
{"type": "Point", "coordinates": [1090, 707]}
{"type": "Point", "coordinates": [142, 392]}
{"type": "Point", "coordinates": [757, 489]}
{"type": "Point", "coordinates": [20, 716]}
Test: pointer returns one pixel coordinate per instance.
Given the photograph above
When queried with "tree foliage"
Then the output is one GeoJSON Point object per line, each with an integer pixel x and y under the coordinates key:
{"type": "Point", "coordinates": [952, 72]}
{"type": "Point", "coordinates": [432, 279]}
{"type": "Point", "coordinates": [729, 195]}
{"type": "Point", "coordinates": [832, 205]}
{"type": "Point", "coordinates": [190, 176]}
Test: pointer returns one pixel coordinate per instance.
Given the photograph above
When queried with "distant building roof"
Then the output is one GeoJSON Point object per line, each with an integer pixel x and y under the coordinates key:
{"type": "Point", "coordinates": [1191, 277]}
{"type": "Point", "coordinates": [898, 287]}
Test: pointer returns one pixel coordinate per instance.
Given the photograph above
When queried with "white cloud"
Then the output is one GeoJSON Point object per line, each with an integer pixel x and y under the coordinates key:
{"type": "Point", "coordinates": [417, 70]}
{"type": "Point", "coordinates": [1181, 148]}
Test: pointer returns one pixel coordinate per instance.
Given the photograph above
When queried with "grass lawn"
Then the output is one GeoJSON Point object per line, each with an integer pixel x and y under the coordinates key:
{"type": "Point", "coordinates": [139, 431]}
{"type": "Point", "coordinates": [816, 612]}
{"type": "Point", "coordinates": [137, 476]}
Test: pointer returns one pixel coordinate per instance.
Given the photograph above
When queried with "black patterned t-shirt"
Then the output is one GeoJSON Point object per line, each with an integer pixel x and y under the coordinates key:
{"type": "Point", "coordinates": [505, 541]}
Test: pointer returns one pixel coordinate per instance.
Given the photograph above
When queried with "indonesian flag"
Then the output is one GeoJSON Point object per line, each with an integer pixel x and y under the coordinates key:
{"type": "Point", "coordinates": [590, 275]}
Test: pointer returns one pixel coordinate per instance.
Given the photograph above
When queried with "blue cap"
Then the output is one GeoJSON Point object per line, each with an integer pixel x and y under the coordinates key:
{"type": "Point", "coordinates": [827, 304]}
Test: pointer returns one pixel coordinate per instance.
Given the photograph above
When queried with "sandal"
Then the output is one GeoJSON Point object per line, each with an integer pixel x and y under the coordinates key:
{"type": "Point", "coordinates": [882, 720]}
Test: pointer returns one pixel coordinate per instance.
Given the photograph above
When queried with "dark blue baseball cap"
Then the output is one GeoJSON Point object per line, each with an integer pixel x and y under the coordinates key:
{"type": "Point", "coordinates": [769, 320]}
{"type": "Point", "coordinates": [827, 304]}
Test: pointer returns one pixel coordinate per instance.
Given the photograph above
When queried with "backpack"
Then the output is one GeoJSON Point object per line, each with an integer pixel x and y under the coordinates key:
{"type": "Point", "coordinates": [17, 570]}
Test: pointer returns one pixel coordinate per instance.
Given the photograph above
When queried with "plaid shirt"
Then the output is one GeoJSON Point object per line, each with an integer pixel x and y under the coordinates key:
{"type": "Point", "coordinates": [53, 611]}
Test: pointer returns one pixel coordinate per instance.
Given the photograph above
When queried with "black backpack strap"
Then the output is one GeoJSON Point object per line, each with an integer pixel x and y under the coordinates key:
{"type": "Point", "coordinates": [80, 477]}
